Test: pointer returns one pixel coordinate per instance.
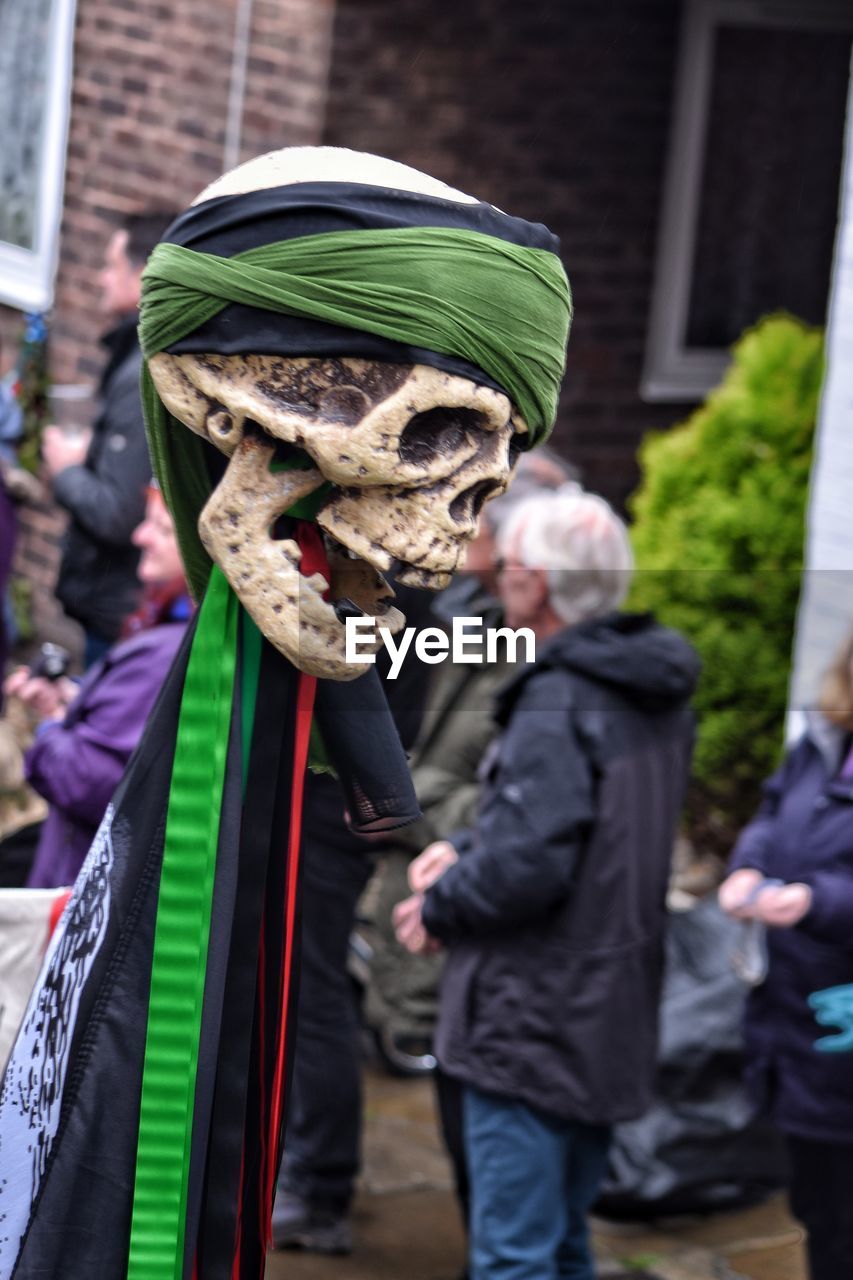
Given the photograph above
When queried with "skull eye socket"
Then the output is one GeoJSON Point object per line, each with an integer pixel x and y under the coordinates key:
{"type": "Point", "coordinates": [515, 448]}
{"type": "Point", "coordinates": [439, 432]}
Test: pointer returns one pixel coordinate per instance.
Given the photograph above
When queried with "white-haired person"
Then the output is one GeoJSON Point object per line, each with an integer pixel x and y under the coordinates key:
{"type": "Point", "coordinates": [552, 906]}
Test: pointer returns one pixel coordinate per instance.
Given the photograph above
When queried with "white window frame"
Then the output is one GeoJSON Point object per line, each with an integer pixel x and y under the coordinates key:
{"type": "Point", "coordinates": [27, 275]}
{"type": "Point", "coordinates": [672, 371]}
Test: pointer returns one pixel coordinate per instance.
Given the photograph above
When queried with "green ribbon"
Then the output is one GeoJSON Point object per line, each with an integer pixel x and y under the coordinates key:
{"type": "Point", "coordinates": [180, 943]}
{"type": "Point", "coordinates": [504, 308]}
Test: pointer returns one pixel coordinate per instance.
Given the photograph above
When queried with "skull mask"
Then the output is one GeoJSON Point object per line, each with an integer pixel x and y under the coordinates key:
{"type": "Point", "coordinates": [409, 454]}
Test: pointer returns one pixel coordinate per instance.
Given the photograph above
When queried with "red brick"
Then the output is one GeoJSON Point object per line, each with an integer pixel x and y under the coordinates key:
{"type": "Point", "coordinates": [556, 112]}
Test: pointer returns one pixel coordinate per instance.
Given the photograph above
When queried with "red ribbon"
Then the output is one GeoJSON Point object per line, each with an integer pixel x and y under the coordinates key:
{"type": "Point", "coordinates": [314, 560]}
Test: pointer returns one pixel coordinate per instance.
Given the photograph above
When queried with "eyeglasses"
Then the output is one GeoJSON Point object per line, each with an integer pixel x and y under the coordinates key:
{"type": "Point", "coordinates": [502, 565]}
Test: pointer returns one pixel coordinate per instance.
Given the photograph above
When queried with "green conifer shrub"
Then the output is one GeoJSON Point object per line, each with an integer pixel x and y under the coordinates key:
{"type": "Point", "coordinates": [718, 537]}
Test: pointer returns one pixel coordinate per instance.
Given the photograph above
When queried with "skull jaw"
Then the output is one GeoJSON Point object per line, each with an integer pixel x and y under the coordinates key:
{"type": "Point", "coordinates": [288, 608]}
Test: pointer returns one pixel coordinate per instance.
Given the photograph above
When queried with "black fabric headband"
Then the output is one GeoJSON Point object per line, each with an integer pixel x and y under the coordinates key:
{"type": "Point", "coordinates": [226, 225]}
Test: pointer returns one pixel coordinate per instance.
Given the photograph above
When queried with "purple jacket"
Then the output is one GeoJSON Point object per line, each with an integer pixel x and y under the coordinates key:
{"type": "Point", "coordinates": [804, 831]}
{"type": "Point", "coordinates": [77, 763]}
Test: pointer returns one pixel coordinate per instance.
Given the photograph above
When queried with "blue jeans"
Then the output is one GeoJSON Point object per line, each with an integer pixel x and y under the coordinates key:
{"type": "Point", "coordinates": [533, 1178]}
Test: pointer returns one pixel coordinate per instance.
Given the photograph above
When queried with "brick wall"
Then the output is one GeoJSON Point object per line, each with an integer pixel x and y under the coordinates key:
{"type": "Point", "coordinates": [287, 75]}
{"type": "Point", "coordinates": [148, 125]}
{"type": "Point", "coordinates": [557, 112]}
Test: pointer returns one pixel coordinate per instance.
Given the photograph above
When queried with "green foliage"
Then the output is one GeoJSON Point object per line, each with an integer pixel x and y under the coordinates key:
{"type": "Point", "coordinates": [21, 596]}
{"type": "Point", "coordinates": [718, 539]}
{"type": "Point", "coordinates": [32, 388]}
{"type": "Point", "coordinates": [639, 1262]}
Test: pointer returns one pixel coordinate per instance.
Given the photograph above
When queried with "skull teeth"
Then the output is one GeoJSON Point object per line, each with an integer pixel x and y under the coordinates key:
{"type": "Point", "coordinates": [334, 547]}
{"type": "Point", "coordinates": [354, 578]}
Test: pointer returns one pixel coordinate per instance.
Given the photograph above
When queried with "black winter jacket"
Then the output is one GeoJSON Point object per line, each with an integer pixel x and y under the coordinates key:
{"type": "Point", "coordinates": [555, 912]}
{"type": "Point", "coordinates": [105, 497]}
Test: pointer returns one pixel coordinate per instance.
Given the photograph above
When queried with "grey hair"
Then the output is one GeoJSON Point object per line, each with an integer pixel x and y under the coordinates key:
{"type": "Point", "coordinates": [581, 543]}
{"type": "Point", "coordinates": [539, 470]}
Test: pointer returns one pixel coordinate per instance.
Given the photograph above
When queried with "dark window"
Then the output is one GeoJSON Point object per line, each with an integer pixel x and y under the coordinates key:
{"type": "Point", "coordinates": [769, 192]}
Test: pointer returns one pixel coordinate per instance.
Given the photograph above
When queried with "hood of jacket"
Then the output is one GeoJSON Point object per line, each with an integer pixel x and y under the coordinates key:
{"type": "Point", "coordinates": [630, 652]}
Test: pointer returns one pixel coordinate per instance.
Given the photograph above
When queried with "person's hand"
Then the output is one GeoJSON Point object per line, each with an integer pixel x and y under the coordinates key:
{"type": "Point", "coordinates": [737, 894]}
{"type": "Point", "coordinates": [60, 450]}
{"type": "Point", "coordinates": [49, 699]}
{"type": "Point", "coordinates": [747, 895]}
{"type": "Point", "coordinates": [409, 926]}
{"type": "Point", "coordinates": [782, 906]}
{"type": "Point", "coordinates": [22, 485]}
{"type": "Point", "coordinates": [431, 865]}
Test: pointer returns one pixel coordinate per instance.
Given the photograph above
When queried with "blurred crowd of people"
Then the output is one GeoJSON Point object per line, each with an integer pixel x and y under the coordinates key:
{"type": "Point", "coordinates": [521, 923]}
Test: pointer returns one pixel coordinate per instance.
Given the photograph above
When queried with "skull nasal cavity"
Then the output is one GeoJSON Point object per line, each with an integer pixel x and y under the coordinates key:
{"type": "Point", "coordinates": [466, 506]}
{"type": "Point", "coordinates": [438, 433]}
